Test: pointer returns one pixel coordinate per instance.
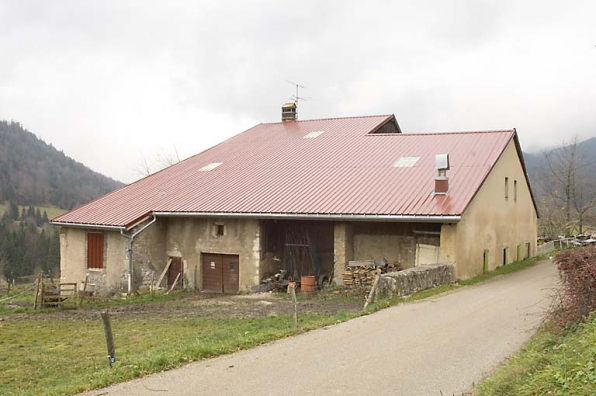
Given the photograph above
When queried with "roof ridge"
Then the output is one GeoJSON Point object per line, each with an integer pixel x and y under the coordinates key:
{"type": "Point", "coordinates": [441, 133]}
{"type": "Point", "coordinates": [330, 118]}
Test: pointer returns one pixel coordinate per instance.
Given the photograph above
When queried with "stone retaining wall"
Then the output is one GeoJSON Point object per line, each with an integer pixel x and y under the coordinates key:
{"type": "Point", "coordinates": [412, 280]}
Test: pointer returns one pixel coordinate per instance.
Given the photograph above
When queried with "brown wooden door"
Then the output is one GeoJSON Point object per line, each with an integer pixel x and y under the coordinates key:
{"type": "Point", "coordinates": [175, 270]}
{"type": "Point", "coordinates": [231, 278]}
{"type": "Point", "coordinates": [220, 273]}
{"type": "Point", "coordinates": [212, 273]}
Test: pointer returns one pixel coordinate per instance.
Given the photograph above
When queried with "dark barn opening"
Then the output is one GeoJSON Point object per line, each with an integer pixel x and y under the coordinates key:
{"type": "Point", "coordinates": [299, 247]}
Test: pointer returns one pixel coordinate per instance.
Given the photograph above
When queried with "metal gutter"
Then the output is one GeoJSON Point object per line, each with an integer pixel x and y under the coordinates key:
{"type": "Point", "coordinates": [93, 226]}
{"type": "Point", "coordinates": [314, 216]}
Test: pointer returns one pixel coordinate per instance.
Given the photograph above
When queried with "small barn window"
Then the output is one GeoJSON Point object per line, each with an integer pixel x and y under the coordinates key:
{"type": "Point", "coordinates": [219, 230]}
{"type": "Point", "coordinates": [515, 190]}
{"type": "Point", "coordinates": [95, 244]}
{"type": "Point", "coordinates": [506, 188]}
{"type": "Point", "coordinates": [528, 253]}
{"type": "Point", "coordinates": [505, 254]}
{"type": "Point", "coordinates": [485, 261]}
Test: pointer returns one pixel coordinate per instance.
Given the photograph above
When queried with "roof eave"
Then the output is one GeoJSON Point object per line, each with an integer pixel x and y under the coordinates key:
{"type": "Point", "coordinates": [87, 225]}
{"type": "Point", "coordinates": [319, 216]}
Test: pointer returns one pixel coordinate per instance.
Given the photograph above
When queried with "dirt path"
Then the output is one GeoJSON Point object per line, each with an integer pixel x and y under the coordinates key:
{"type": "Point", "coordinates": [209, 306]}
{"type": "Point", "coordinates": [437, 346]}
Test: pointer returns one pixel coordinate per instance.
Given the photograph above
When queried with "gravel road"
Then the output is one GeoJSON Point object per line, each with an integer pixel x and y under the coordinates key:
{"type": "Point", "coordinates": [439, 346]}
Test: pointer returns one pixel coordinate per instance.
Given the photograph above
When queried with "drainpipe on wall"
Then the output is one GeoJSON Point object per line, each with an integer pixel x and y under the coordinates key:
{"type": "Point", "coordinates": [131, 239]}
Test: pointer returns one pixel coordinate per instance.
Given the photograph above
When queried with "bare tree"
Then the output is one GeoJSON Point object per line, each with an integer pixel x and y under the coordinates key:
{"type": "Point", "coordinates": [149, 165]}
{"type": "Point", "coordinates": [569, 186]}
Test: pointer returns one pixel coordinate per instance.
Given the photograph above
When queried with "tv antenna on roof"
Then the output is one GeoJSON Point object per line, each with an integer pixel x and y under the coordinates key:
{"type": "Point", "coordinates": [297, 97]}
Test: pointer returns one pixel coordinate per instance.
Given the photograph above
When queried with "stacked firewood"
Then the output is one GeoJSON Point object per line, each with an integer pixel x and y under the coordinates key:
{"type": "Point", "coordinates": [363, 273]}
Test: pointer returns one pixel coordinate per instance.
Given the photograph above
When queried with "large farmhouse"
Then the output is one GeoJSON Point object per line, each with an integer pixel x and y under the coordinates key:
{"type": "Point", "coordinates": [349, 188]}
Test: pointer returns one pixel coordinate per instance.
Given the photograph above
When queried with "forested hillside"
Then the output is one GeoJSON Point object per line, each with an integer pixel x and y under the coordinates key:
{"type": "Point", "coordinates": [33, 172]}
{"type": "Point", "coordinates": [36, 178]}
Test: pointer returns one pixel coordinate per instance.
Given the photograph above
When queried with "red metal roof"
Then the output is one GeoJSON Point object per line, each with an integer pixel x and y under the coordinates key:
{"type": "Point", "coordinates": [273, 169]}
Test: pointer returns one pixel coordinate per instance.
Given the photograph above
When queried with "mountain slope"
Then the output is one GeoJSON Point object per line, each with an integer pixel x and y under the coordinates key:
{"type": "Point", "coordinates": [541, 176]}
{"type": "Point", "coordinates": [35, 173]}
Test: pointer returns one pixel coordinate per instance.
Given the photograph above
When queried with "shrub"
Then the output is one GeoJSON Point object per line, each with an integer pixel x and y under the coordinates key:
{"type": "Point", "coordinates": [577, 295]}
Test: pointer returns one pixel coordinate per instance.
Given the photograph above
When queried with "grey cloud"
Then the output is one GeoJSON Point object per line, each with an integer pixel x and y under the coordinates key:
{"type": "Point", "coordinates": [150, 74]}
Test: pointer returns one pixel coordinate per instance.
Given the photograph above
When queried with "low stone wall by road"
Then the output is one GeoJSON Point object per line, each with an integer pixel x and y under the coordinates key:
{"type": "Point", "coordinates": [412, 280]}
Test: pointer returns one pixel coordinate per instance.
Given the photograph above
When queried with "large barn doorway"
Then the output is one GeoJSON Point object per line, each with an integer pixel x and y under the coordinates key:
{"type": "Point", "coordinates": [301, 248]}
{"type": "Point", "coordinates": [221, 273]}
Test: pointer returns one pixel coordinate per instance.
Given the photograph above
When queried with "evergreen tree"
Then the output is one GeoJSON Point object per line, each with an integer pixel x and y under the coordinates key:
{"type": "Point", "coordinates": [53, 257]}
{"type": "Point", "coordinates": [38, 218]}
{"type": "Point", "coordinates": [14, 210]}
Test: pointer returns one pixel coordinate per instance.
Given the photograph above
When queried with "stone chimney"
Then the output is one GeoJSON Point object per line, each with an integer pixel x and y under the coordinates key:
{"type": "Point", "coordinates": [442, 181]}
{"type": "Point", "coordinates": [289, 112]}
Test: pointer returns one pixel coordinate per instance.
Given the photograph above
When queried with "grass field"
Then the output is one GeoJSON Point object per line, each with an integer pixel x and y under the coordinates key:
{"type": "Point", "coordinates": [51, 352]}
{"type": "Point", "coordinates": [551, 363]}
{"type": "Point", "coordinates": [50, 210]}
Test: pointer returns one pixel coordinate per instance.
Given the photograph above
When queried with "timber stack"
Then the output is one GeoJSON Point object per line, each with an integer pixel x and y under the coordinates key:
{"type": "Point", "coordinates": [363, 273]}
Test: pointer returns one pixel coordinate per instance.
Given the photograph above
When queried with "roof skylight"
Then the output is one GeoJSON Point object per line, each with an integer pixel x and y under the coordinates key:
{"type": "Point", "coordinates": [405, 162]}
{"type": "Point", "coordinates": [210, 166]}
{"type": "Point", "coordinates": [313, 134]}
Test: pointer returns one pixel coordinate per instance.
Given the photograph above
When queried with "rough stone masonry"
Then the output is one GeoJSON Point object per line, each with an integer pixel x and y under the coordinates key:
{"type": "Point", "coordinates": [412, 280]}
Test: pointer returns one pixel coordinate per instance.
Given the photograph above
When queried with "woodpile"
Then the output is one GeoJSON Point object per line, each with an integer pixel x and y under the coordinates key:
{"type": "Point", "coordinates": [363, 273]}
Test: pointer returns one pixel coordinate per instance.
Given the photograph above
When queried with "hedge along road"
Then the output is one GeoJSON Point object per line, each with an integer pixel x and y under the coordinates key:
{"type": "Point", "coordinates": [441, 345]}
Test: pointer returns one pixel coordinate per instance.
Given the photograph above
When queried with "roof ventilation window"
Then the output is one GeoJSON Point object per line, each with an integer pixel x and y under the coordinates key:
{"type": "Point", "coordinates": [210, 166]}
{"type": "Point", "coordinates": [313, 134]}
{"type": "Point", "coordinates": [405, 162]}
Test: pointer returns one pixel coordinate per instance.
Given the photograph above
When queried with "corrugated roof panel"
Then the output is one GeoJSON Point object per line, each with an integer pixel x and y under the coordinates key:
{"type": "Point", "coordinates": [272, 168]}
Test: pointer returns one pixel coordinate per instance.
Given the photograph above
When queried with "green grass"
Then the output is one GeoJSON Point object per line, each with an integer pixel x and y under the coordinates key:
{"type": "Point", "coordinates": [50, 210]}
{"type": "Point", "coordinates": [51, 357]}
{"type": "Point", "coordinates": [551, 363]}
{"type": "Point", "coordinates": [502, 270]}
{"type": "Point", "coordinates": [23, 297]}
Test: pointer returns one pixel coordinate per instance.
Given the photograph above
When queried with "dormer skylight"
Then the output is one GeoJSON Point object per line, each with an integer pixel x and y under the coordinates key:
{"type": "Point", "coordinates": [313, 134]}
{"type": "Point", "coordinates": [405, 162]}
{"type": "Point", "coordinates": [210, 166]}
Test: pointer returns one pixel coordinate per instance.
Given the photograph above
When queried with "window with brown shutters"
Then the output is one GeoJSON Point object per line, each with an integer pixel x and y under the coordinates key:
{"type": "Point", "coordinates": [94, 250]}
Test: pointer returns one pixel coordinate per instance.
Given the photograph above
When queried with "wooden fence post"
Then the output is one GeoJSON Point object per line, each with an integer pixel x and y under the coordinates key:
{"type": "Point", "coordinates": [83, 293]}
{"type": "Point", "coordinates": [373, 290]}
{"type": "Point", "coordinates": [39, 280]}
{"type": "Point", "coordinates": [107, 328]}
{"type": "Point", "coordinates": [293, 294]}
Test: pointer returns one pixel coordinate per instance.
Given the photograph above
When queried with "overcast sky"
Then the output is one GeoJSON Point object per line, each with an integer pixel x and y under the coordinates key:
{"type": "Point", "coordinates": [111, 82]}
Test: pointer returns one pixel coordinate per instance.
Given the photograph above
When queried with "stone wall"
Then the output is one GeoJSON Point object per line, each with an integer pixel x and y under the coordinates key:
{"type": "Point", "coordinates": [343, 249]}
{"type": "Point", "coordinates": [412, 280]}
{"type": "Point", "coordinates": [149, 253]}
{"type": "Point", "coordinates": [189, 238]}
